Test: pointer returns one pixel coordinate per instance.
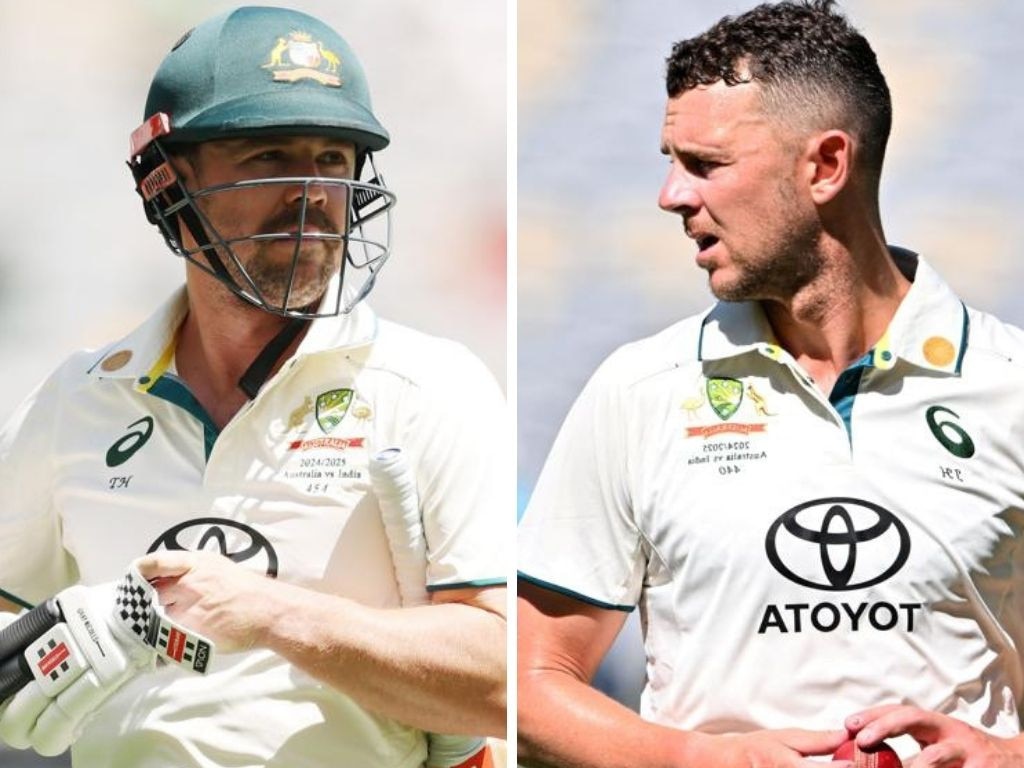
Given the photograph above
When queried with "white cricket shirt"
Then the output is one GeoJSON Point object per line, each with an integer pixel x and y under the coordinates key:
{"type": "Point", "coordinates": [111, 457]}
{"type": "Point", "coordinates": [798, 557]}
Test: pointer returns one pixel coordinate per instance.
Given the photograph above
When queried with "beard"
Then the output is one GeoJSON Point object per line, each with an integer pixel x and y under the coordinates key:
{"type": "Point", "coordinates": [292, 271]}
{"type": "Point", "coordinates": [271, 270]}
{"type": "Point", "coordinates": [785, 261]}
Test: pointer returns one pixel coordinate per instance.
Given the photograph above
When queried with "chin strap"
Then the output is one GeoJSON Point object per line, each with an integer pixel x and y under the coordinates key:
{"type": "Point", "coordinates": [256, 375]}
{"type": "Point", "coordinates": [190, 219]}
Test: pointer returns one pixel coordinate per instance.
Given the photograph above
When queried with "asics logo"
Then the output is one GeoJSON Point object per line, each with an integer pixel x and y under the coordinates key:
{"type": "Point", "coordinates": [126, 447]}
{"type": "Point", "coordinates": [837, 544]}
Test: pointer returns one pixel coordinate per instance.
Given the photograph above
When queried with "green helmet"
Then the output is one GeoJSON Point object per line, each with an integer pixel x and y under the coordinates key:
{"type": "Point", "coordinates": [263, 71]}
{"type": "Point", "coordinates": [271, 70]}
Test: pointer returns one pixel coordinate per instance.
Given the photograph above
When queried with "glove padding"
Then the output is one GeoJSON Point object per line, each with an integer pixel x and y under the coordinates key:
{"type": "Point", "coordinates": [109, 634]}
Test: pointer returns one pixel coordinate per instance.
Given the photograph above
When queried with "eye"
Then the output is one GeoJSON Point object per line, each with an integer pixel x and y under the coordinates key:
{"type": "Point", "coordinates": [265, 156]}
{"type": "Point", "coordinates": [700, 166]}
{"type": "Point", "coordinates": [333, 158]}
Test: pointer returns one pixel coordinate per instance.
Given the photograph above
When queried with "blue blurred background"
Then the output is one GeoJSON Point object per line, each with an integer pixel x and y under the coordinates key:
{"type": "Point", "coordinates": [599, 264]}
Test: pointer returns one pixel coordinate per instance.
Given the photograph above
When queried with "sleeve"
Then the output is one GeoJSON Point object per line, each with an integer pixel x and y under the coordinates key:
{"type": "Point", "coordinates": [578, 535]}
{"type": "Point", "coordinates": [33, 561]}
{"type": "Point", "coordinates": [460, 442]}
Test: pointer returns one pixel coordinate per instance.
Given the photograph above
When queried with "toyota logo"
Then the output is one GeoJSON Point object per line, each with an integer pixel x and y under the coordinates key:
{"type": "Point", "coordinates": [837, 544]}
{"type": "Point", "coordinates": [236, 541]}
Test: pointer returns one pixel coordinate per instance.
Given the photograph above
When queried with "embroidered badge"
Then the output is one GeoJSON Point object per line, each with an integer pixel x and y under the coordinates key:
{"type": "Point", "coordinates": [116, 361]}
{"type": "Point", "coordinates": [298, 56]}
{"type": "Point", "coordinates": [724, 396]}
{"type": "Point", "coordinates": [331, 408]}
{"type": "Point", "coordinates": [939, 351]}
{"type": "Point", "coordinates": [298, 416]}
{"type": "Point", "coordinates": [760, 404]}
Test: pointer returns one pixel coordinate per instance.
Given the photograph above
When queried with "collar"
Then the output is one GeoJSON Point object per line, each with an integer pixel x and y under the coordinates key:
{"type": "Point", "coordinates": [929, 329]}
{"type": "Point", "coordinates": [145, 354]}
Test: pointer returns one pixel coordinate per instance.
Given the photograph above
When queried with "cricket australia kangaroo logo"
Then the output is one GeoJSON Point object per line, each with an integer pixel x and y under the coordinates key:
{"type": "Point", "coordinates": [725, 396]}
{"type": "Point", "coordinates": [331, 408]}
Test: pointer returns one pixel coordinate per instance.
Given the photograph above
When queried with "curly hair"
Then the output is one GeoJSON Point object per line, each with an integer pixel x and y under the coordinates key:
{"type": "Point", "coordinates": [811, 64]}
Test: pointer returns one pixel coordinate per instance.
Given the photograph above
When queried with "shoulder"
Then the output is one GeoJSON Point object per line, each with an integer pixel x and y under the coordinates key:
{"type": "Point", "coordinates": [124, 361]}
{"type": "Point", "coordinates": [994, 341]}
{"type": "Point", "coordinates": [39, 412]}
{"type": "Point", "coordinates": [646, 360]}
{"type": "Point", "coordinates": [76, 372]}
{"type": "Point", "coordinates": [424, 360]}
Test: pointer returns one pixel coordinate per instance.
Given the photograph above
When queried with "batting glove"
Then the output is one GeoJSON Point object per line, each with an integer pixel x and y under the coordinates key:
{"type": "Point", "coordinates": [107, 635]}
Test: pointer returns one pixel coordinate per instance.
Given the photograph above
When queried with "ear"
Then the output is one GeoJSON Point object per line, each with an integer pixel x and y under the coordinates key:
{"type": "Point", "coordinates": [830, 156]}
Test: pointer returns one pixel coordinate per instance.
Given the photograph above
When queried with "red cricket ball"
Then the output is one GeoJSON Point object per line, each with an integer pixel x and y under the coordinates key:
{"type": "Point", "coordinates": [882, 756]}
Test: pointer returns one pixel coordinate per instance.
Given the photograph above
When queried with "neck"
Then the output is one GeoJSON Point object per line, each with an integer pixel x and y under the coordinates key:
{"type": "Point", "coordinates": [219, 340]}
{"type": "Point", "coordinates": [840, 315]}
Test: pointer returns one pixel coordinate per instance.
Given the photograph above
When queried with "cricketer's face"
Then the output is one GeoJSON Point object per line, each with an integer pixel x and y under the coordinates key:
{"type": "Point", "coordinates": [236, 215]}
{"type": "Point", "coordinates": [735, 181]}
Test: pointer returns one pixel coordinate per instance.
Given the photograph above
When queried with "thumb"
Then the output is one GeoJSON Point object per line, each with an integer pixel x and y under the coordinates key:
{"type": "Point", "coordinates": [813, 742]}
{"type": "Point", "coordinates": [945, 754]}
{"type": "Point", "coordinates": [165, 564]}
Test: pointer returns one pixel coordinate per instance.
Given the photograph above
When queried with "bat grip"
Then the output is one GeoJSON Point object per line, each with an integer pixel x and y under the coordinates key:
{"type": "Point", "coordinates": [15, 638]}
{"type": "Point", "coordinates": [14, 675]}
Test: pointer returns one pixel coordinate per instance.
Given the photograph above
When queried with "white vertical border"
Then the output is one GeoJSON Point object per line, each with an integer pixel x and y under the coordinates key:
{"type": "Point", "coordinates": [511, 353]}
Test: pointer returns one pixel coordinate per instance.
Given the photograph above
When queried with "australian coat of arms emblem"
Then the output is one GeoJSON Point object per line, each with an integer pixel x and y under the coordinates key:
{"type": "Point", "coordinates": [299, 56]}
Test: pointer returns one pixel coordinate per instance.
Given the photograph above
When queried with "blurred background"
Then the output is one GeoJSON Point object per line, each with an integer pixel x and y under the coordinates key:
{"type": "Point", "coordinates": [79, 265]}
{"type": "Point", "coordinates": [599, 264]}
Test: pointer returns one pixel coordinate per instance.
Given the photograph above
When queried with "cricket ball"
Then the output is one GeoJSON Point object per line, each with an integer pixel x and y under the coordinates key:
{"type": "Point", "coordinates": [882, 756]}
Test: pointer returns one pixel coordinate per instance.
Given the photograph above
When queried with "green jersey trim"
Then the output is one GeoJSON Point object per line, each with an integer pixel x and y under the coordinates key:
{"type": "Point", "coordinates": [844, 392]}
{"type": "Point", "coordinates": [172, 389]}
{"type": "Point", "coordinates": [963, 338]}
{"type": "Point", "coordinates": [574, 595]}
{"type": "Point", "coordinates": [495, 582]}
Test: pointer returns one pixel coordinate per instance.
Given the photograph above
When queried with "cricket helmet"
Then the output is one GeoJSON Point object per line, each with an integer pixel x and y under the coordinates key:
{"type": "Point", "coordinates": [261, 71]}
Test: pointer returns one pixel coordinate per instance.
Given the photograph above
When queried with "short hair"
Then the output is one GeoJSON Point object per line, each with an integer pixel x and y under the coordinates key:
{"type": "Point", "coordinates": [810, 62]}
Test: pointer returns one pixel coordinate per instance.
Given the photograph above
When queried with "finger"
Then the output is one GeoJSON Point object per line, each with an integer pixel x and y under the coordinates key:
{"type": "Point", "coordinates": [812, 742]}
{"type": "Point", "coordinates": [169, 589]}
{"type": "Point", "coordinates": [179, 604]}
{"type": "Point", "coordinates": [812, 763]}
{"type": "Point", "coordinates": [925, 727]}
{"type": "Point", "coordinates": [59, 724]}
{"type": "Point", "coordinates": [55, 728]}
{"type": "Point", "coordinates": [165, 564]}
{"type": "Point", "coordinates": [21, 715]}
{"type": "Point", "coordinates": [858, 720]}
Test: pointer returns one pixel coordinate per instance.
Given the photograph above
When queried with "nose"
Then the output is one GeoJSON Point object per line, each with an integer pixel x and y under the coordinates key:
{"type": "Point", "coordinates": [678, 193]}
{"type": "Point", "coordinates": [316, 194]}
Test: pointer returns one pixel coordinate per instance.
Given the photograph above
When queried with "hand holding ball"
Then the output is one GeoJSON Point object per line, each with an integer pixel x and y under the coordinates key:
{"type": "Point", "coordinates": [882, 756]}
